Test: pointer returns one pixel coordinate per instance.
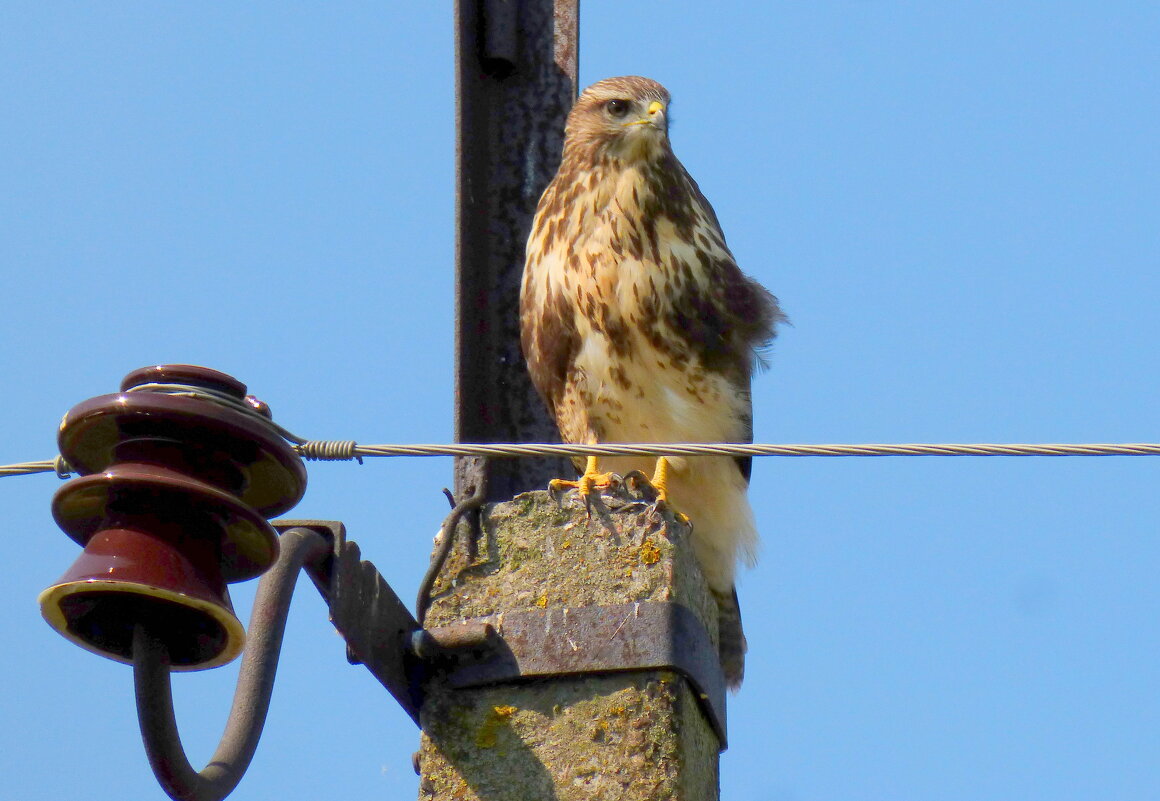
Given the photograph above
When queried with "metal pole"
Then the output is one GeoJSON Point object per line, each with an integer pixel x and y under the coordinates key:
{"type": "Point", "coordinates": [516, 68]}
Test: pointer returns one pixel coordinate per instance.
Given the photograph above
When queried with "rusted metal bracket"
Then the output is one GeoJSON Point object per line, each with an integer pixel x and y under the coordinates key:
{"type": "Point", "coordinates": [375, 623]}
{"type": "Point", "coordinates": [537, 643]}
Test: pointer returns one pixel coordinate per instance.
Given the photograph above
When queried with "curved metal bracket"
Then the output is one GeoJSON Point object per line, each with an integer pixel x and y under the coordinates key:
{"type": "Point", "coordinates": [299, 547]}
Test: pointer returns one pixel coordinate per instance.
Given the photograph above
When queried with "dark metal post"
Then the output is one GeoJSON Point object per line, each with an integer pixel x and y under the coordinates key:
{"type": "Point", "coordinates": [516, 68]}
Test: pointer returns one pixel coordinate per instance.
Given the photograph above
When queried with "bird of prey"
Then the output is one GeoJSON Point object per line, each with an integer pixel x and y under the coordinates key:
{"type": "Point", "coordinates": [638, 325]}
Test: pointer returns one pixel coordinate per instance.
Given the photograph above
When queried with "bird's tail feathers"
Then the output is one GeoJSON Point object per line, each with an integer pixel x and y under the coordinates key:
{"type": "Point", "coordinates": [731, 646]}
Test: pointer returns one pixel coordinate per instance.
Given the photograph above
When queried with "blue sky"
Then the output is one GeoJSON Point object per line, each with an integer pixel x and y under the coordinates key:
{"type": "Point", "coordinates": [957, 204]}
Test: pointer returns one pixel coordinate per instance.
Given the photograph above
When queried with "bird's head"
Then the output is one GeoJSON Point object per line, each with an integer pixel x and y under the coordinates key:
{"type": "Point", "coordinates": [623, 118]}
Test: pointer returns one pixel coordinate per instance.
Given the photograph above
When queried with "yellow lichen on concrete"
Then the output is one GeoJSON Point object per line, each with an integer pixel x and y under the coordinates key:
{"type": "Point", "coordinates": [649, 553]}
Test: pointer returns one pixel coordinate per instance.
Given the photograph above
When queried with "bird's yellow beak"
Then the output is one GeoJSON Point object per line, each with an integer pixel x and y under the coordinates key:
{"type": "Point", "coordinates": [655, 115]}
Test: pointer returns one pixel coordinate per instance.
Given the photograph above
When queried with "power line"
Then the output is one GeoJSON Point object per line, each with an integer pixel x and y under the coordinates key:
{"type": "Point", "coordinates": [752, 449]}
{"type": "Point", "coordinates": [341, 450]}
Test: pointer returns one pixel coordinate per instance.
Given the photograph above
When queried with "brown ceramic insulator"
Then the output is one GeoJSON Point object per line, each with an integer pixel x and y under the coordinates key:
{"type": "Point", "coordinates": [212, 442]}
{"type": "Point", "coordinates": [129, 576]}
{"type": "Point", "coordinates": [191, 374]}
{"type": "Point", "coordinates": [172, 505]}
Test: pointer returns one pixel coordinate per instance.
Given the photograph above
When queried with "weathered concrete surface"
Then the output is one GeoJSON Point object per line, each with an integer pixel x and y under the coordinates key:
{"type": "Point", "coordinates": [639, 736]}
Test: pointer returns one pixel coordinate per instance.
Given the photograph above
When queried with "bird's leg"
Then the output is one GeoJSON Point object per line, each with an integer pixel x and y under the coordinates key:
{"type": "Point", "coordinates": [592, 480]}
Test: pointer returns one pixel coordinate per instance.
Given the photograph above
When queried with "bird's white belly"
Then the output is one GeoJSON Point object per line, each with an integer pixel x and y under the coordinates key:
{"type": "Point", "coordinates": [647, 403]}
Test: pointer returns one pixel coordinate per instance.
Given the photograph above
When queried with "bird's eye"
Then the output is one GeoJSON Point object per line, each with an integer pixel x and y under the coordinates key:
{"type": "Point", "coordinates": [617, 108]}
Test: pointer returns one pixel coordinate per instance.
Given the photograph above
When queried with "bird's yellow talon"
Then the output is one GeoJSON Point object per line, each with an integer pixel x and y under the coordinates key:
{"type": "Point", "coordinates": [558, 487]}
{"type": "Point", "coordinates": [591, 484]}
{"type": "Point", "coordinates": [656, 489]}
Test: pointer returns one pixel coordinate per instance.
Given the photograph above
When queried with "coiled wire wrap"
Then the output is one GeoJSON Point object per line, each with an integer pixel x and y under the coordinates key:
{"type": "Point", "coordinates": [329, 450]}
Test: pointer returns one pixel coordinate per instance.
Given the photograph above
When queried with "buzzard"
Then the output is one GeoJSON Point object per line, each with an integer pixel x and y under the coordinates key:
{"type": "Point", "coordinates": [638, 326]}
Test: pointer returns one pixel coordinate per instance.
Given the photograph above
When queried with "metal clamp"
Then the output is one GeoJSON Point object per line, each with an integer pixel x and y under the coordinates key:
{"type": "Point", "coordinates": [548, 643]}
